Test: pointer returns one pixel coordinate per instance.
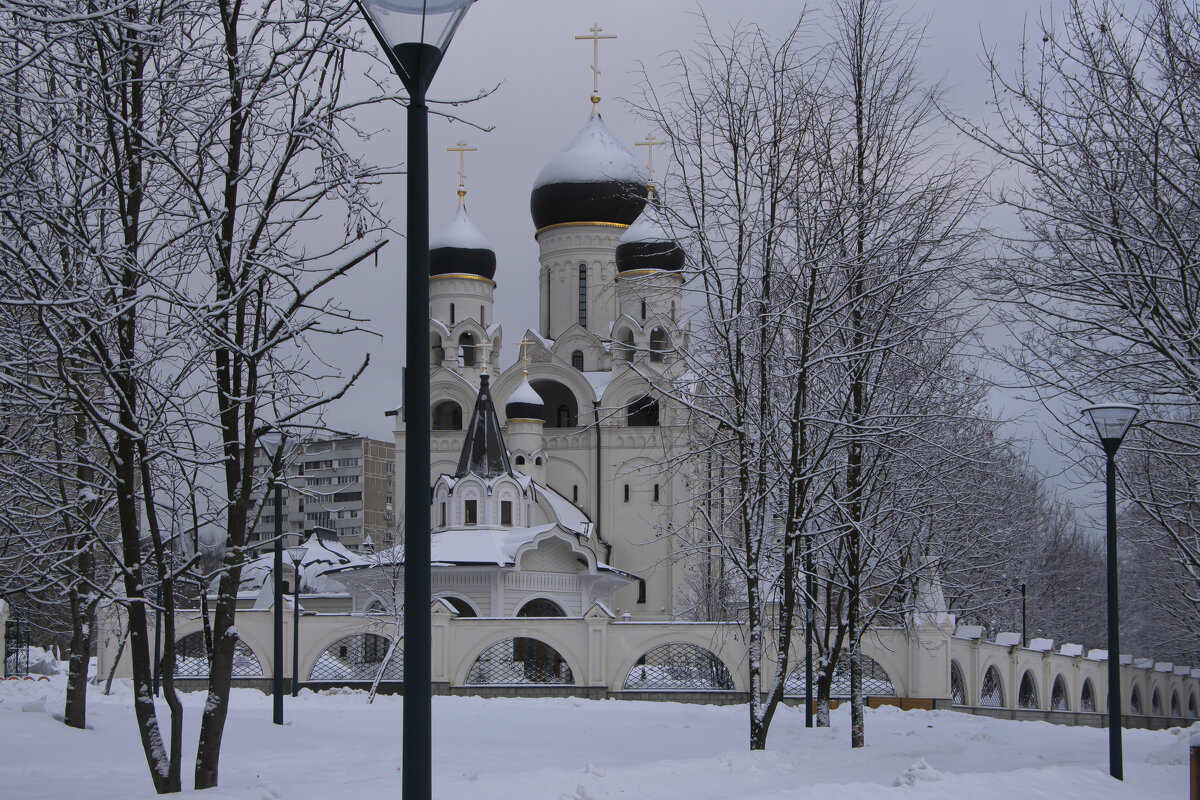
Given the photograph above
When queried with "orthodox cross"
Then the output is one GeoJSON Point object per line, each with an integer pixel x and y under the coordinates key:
{"type": "Point", "coordinates": [596, 37]}
{"type": "Point", "coordinates": [525, 345]}
{"type": "Point", "coordinates": [482, 350]}
{"type": "Point", "coordinates": [650, 143]}
{"type": "Point", "coordinates": [462, 150]}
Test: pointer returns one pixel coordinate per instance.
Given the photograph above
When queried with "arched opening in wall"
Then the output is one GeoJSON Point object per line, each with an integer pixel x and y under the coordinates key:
{"type": "Point", "coordinates": [541, 607]}
{"type": "Point", "coordinates": [991, 693]}
{"type": "Point", "coordinates": [466, 350]}
{"type": "Point", "coordinates": [519, 661]}
{"type": "Point", "coordinates": [462, 607]}
{"type": "Point", "coordinates": [376, 607]}
{"type": "Point", "coordinates": [1058, 696]}
{"type": "Point", "coordinates": [560, 409]}
{"type": "Point", "coordinates": [1175, 711]}
{"type": "Point", "coordinates": [1087, 697]}
{"type": "Point", "coordinates": [519, 461]}
{"type": "Point", "coordinates": [191, 659]}
{"type": "Point", "coordinates": [679, 666]}
{"type": "Point", "coordinates": [1155, 704]}
{"type": "Point", "coordinates": [660, 343]}
{"type": "Point", "coordinates": [624, 349]}
{"type": "Point", "coordinates": [577, 359]}
{"type": "Point", "coordinates": [1135, 701]}
{"type": "Point", "coordinates": [447, 416]}
{"type": "Point", "coordinates": [875, 682]}
{"type": "Point", "coordinates": [1027, 696]}
{"type": "Point", "coordinates": [958, 687]}
{"type": "Point", "coordinates": [1192, 705]}
{"type": "Point", "coordinates": [357, 659]}
{"type": "Point", "coordinates": [437, 352]}
{"type": "Point", "coordinates": [643, 413]}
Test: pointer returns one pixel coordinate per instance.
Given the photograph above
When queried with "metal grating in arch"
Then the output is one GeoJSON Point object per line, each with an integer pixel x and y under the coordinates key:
{"type": "Point", "coordinates": [1027, 697]}
{"type": "Point", "coordinates": [1175, 704]}
{"type": "Point", "coordinates": [1192, 706]}
{"type": "Point", "coordinates": [1155, 704]}
{"type": "Point", "coordinates": [991, 694]}
{"type": "Point", "coordinates": [1087, 698]}
{"type": "Point", "coordinates": [191, 659]}
{"type": "Point", "coordinates": [1058, 696]}
{"type": "Point", "coordinates": [679, 665]}
{"type": "Point", "coordinates": [357, 658]}
{"type": "Point", "coordinates": [876, 682]}
{"type": "Point", "coordinates": [519, 661]}
{"type": "Point", "coordinates": [1135, 701]}
{"type": "Point", "coordinates": [958, 687]}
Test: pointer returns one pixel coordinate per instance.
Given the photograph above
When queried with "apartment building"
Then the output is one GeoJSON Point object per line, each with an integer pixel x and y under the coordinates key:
{"type": "Point", "coordinates": [345, 484]}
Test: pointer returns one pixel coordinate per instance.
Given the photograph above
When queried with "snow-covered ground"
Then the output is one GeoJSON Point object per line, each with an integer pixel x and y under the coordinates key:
{"type": "Point", "coordinates": [337, 746]}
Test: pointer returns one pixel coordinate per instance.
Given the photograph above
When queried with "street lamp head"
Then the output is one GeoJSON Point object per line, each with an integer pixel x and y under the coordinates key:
{"type": "Point", "coordinates": [1112, 421]}
{"type": "Point", "coordinates": [296, 554]}
{"type": "Point", "coordinates": [414, 34]}
{"type": "Point", "coordinates": [272, 440]}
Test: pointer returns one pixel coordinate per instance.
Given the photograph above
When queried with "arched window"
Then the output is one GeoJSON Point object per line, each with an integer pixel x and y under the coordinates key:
{"type": "Point", "coordinates": [659, 344]}
{"type": "Point", "coordinates": [583, 295]}
{"type": "Point", "coordinates": [541, 607]}
{"type": "Point", "coordinates": [461, 606]}
{"type": "Point", "coordinates": [466, 350]}
{"type": "Point", "coordinates": [537, 462]}
{"type": "Point", "coordinates": [1058, 696]}
{"type": "Point", "coordinates": [625, 348]}
{"type": "Point", "coordinates": [1087, 697]}
{"type": "Point", "coordinates": [1175, 712]}
{"type": "Point", "coordinates": [643, 412]}
{"type": "Point", "coordinates": [439, 352]}
{"type": "Point", "coordinates": [577, 360]}
{"type": "Point", "coordinates": [958, 687]}
{"type": "Point", "coordinates": [992, 692]}
{"type": "Point", "coordinates": [447, 416]}
{"type": "Point", "coordinates": [482, 321]}
{"type": "Point", "coordinates": [1192, 706]}
{"type": "Point", "coordinates": [560, 409]}
{"type": "Point", "coordinates": [1027, 696]}
{"type": "Point", "coordinates": [1135, 701]}
{"type": "Point", "coordinates": [1155, 703]}
{"type": "Point", "coordinates": [519, 461]}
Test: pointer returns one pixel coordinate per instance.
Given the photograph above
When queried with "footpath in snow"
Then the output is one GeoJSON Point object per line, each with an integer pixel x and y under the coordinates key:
{"type": "Point", "coordinates": [335, 745]}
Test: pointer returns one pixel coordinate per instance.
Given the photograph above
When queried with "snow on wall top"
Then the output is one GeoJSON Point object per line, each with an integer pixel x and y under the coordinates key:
{"type": "Point", "coordinates": [568, 515]}
{"type": "Point", "coordinates": [594, 155]}
{"type": "Point", "coordinates": [461, 232]}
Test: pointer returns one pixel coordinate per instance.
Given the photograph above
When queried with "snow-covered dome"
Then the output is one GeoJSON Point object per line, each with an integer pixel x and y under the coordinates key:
{"type": "Point", "coordinates": [647, 244]}
{"type": "Point", "coordinates": [524, 402]}
{"type": "Point", "coordinates": [460, 248]}
{"type": "Point", "coordinates": [595, 179]}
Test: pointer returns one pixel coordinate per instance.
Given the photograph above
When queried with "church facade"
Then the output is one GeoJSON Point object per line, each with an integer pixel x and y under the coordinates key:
{"type": "Point", "coordinates": [583, 415]}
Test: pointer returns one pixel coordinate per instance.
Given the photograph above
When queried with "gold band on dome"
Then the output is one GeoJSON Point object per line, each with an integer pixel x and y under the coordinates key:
{"type": "Point", "coordinates": [464, 276]}
{"type": "Point", "coordinates": [565, 224]}
{"type": "Point", "coordinates": [525, 419]}
{"type": "Point", "coordinates": [633, 273]}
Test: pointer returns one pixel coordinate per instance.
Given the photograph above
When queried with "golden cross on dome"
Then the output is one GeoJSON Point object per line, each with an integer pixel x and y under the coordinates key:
{"type": "Point", "coordinates": [525, 345]}
{"type": "Point", "coordinates": [650, 143]}
{"type": "Point", "coordinates": [596, 37]}
{"type": "Point", "coordinates": [462, 150]}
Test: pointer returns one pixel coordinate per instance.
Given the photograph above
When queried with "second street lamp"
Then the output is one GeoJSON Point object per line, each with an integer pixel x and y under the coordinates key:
{"type": "Point", "coordinates": [414, 35]}
{"type": "Point", "coordinates": [296, 554]}
{"type": "Point", "coordinates": [1112, 421]}
{"type": "Point", "coordinates": [272, 442]}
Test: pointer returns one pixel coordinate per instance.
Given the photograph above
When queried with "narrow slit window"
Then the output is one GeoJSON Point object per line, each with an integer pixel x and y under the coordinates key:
{"type": "Point", "coordinates": [627, 493]}
{"type": "Point", "coordinates": [471, 512]}
{"type": "Point", "coordinates": [452, 313]}
{"type": "Point", "coordinates": [506, 512]}
{"type": "Point", "coordinates": [583, 295]}
{"type": "Point", "coordinates": [656, 492]}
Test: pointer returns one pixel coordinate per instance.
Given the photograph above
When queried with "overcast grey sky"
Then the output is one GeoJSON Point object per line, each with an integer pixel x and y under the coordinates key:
{"type": "Point", "coordinates": [528, 47]}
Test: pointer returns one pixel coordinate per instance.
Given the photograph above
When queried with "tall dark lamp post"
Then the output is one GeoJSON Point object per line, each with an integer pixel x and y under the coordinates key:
{"type": "Point", "coordinates": [1112, 421]}
{"type": "Point", "coordinates": [415, 34]}
{"type": "Point", "coordinates": [296, 554]}
{"type": "Point", "coordinates": [272, 441]}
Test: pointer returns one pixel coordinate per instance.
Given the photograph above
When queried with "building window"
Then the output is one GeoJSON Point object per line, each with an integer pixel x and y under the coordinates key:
{"type": "Point", "coordinates": [447, 416]}
{"type": "Point", "coordinates": [577, 360]}
{"type": "Point", "coordinates": [520, 461]}
{"type": "Point", "coordinates": [443, 515]}
{"type": "Point", "coordinates": [627, 493]}
{"type": "Point", "coordinates": [656, 492]}
{"type": "Point", "coordinates": [471, 512]}
{"type": "Point", "coordinates": [452, 313]}
{"type": "Point", "coordinates": [643, 412]}
{"type": "Point", "coordinates": [537, 462]}
{"type": "Point", "coordinates": [643, 310]}
{"type": "Point", "coordinates": [466, 350]}
{"type": "Point", "coordinates": [641, 590]}
{"type": "Point", "coordinates": [347, 462]}
{"type": "Point", "coordinates": [575, 493]}
{"type": "Point", "coordinates": [659, 344]}
{"type": "Point", "coordinates": [482, 321]}
{"type": "Point", "coordinates": [506, 512]}
{"type": "Point", "coordinates": [583, 295]}
{"type": "Point", "coordinates": [564, 416]}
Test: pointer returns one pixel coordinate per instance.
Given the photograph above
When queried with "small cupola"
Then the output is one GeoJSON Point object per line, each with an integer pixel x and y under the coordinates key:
{"type": "Point", "coordinates": [647, 244]}
{"type": "Point", "coordinates": [525, 403]}
{"type": "Point", "coordinates": [460, 248]}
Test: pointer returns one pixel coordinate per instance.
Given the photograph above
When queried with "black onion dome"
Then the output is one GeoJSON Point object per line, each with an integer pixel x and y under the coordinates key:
{"type": "Point", "coordinates": [524, 403]}
{"type": "Point", "coordinates": [647, 245]}
{"type": "Point", "coordinates": [595, 179]}
{"type": "Point", "coordinates": [461, 249]}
